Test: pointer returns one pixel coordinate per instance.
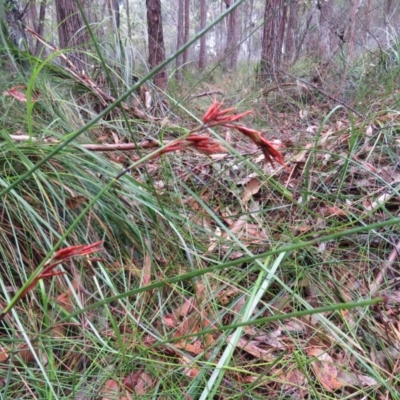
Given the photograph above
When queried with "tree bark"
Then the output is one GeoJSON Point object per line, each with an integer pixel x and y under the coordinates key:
{"type": "Point", "coordinates": [250, 27]}
{"type": "Point", "coordinates": [72, 32]}
{"type": "Point", "coordinates": [232, 36]}
{"type": "Point", "coordinates": [179, 40]}
{"type": "Point", "coordinates": [272, 39]}
{"type": "Point", "coordinates": [156, 42]}
{"type": "Point", "coordinates": [291, 30]}
{"type": "Point", "coordinates": [203, 42]}
{"type": "Point", "coordinates": [186, 33]}
{"type": "Point", "coordinates": [16, 26]}
{"type": "Point", "coordinates": [40, 27]}
{"type": "Point", "coordinates": [33, 16]}
{"type": "Point", "coordinates": [326, 22]}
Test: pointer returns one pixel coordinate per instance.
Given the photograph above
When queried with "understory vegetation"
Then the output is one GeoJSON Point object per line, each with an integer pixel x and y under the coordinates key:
{"type": "Point", "coordinates": [135, 264]}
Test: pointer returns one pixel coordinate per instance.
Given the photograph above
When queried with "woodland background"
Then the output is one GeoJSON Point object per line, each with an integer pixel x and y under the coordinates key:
{"type": "Point", "coordinates": [199, 199]}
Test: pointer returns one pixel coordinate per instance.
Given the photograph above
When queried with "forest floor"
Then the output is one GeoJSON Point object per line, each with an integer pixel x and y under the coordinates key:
{"type": "Point", "coordinates": [215, 273]}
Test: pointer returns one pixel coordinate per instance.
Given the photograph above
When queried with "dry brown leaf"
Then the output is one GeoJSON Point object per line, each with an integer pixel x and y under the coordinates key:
{"type": "Point", "coordinates": [270, 339]}
{"type": "Point", "coordinates": [214, 240]}
{"type": "Point", "coordinates": [138, 383]}
{"type": "Point", "coordinates": [111, 390]}
{"type": "Point", "coordinates": [370, 205]}
{"type": "Point", "coordinates": [21, 351]}
{"type": "Point", "coordinates": [225, 296]}
{"type": "Point", "coordinates": [389, 174]}
{"type": "Point", "coordinates": [369, 131]}
{"type": "Point", "coordinates": [65, 300]}
{"type": "Point", "coordinates": [195, 348]}
{"type": "Point", "coordinates": [18, 94]}
{"type": "Point", "coordinates": [190, 370]}
{"type": "Point", "coordinates": [356, 380]}
{"type": "Point", "coordinates": [251, 347]}
{"type": "Point", "coordinates": [75, 202]}
{"type": "Point", "coordinates": [184, 310]}
{"type": "Point", "coordinates": [333, 211]}
{"type": "Point", "coordinates": [294, 325]}
{"type": "Point", "coordinates": [295, 384]}
{"type": "Point", "coordinates": [117, 158]}
{"type": "Point", "coordinates": [59, 331]}
{"type": "Point", "coordinates": [252, 187]}
{"type": "Point", "coordinates": [324, 369]}
{"type": "Point", "coordinates": [238, 224]}
{"type": "Point", "coordinates": [169, 320]}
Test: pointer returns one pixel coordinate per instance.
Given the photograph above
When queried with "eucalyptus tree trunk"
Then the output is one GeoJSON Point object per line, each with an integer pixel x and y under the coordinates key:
{"type": "Point", "coordinates": [203, 42]}
{"type": "Point", "coordinates": [290, 52]}
{"type": "Point", "coordinates": [72, 33]}
{"type": "Point", "coordinates": [271, 51]}
{"type": "Point", "coordinates": [40, 26]}
{"type": "Point", "coordinates": [186, 33]}
{"type": "Point", "coordinates": [179, 40]}
{"type": "Point", "coordinates": [156, 42]}
{"type": "Point", "coordinates": [232, 38]}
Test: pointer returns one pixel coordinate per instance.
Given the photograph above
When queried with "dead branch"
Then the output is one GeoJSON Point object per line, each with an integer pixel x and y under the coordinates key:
{"type": "Point", "coordinates": [147, 144]}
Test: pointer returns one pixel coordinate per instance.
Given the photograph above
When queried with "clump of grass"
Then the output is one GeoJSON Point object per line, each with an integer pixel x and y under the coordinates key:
{"type": "Point", "coordinates": [218, 275]}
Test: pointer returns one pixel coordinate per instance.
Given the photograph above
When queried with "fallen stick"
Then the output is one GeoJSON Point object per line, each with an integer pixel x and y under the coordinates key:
{"type": "Point", "coordinates": [147, 144]}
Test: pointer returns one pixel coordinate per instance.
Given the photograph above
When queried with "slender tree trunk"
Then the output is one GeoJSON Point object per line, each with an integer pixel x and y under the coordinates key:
{"type": "Point", "coordinates": [156, 42]}
{"type": "Point", "coordinates": [115, 13]}
{"type": "Point", "coordinates": [186, 32]}
{"type": "Point", "coordinates": [272, 39]}
{"type": "Point", "coordinates": [291, 30]}
{"type": "Point", "coordinates": [367, 17]}
{"type": "Point", "coordinates": [324, 48]}
{"type": "Point", "coordinates": [71, 32]}
{"type": "Point", "coordinates": [179, 41]}
{"type": "Point", "coordinates": [232, 46]}
{"type": "Point", "coordinates": [40, 27]}
{"type": "Point", "coordinates": [203, 42]}
{"type": "Point", "coordinates": [250, 39]}
{"type": "Point", "coordinates": [33, 15]}
{"type": "Point", "coordinates": [221, 34]}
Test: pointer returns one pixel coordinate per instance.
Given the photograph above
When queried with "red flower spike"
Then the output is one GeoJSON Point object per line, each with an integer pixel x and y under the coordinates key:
{"type": "Point", "coordinates": [232, 118]}
{"type": "Point", "coordinates": [215, 116]}
{"type": "Point", "coordinates": [80, 250]}
{"type": "Point", "coordinates": [226, 111]}
{"type": "Point", "coordinates": [270, 152]}
{"type": "Point", "coordinates": [205, 144]}
{"type": "Point", "coordinates": [212, 112]}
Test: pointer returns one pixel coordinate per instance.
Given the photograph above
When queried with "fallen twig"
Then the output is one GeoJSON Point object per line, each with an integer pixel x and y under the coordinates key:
{"type": "Point", "coordinates": [146, 144]}
{"type": "Point", "coordinates": [210, 93]}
